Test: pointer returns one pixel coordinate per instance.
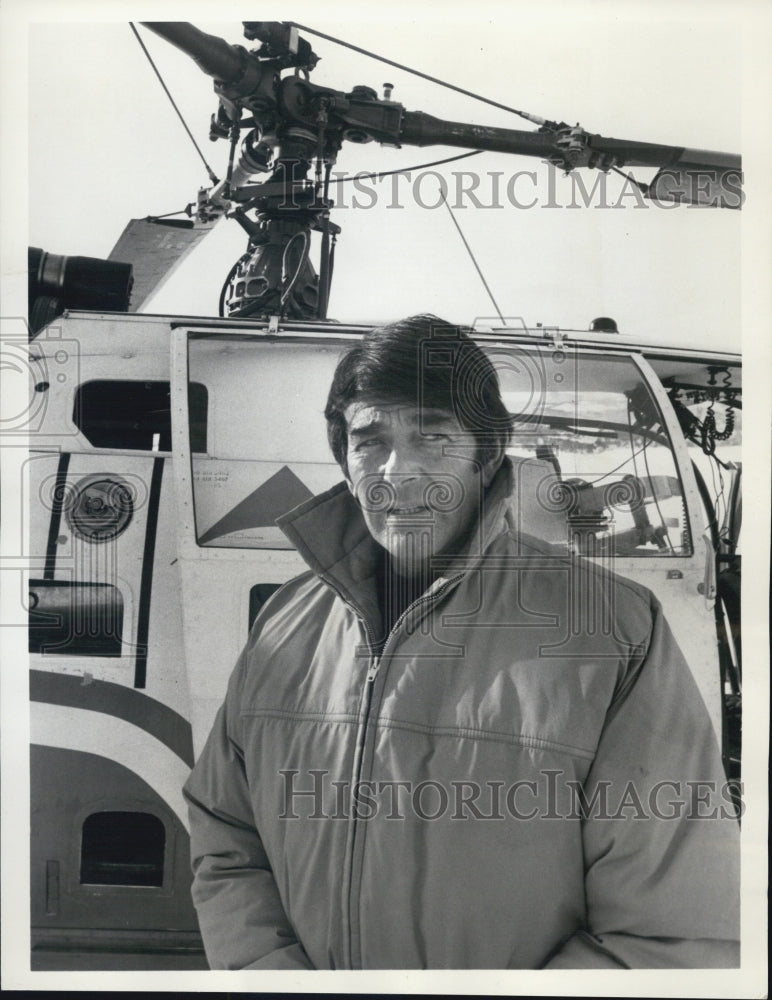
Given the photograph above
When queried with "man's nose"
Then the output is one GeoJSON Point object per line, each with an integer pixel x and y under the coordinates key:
{"type": "Point", "coordinates": [400, 467]}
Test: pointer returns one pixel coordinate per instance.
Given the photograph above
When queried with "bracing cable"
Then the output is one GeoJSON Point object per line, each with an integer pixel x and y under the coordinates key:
{"type": "Point", "coordinates": [212, 176]}
{"type": "Point", "coordinates": [471, 254]}
{"type": "Point", "coordinates": [424, 76]}
{"type": "Point", "coordinates": [378, 175]}
{"type": "Point", "coordinates": [642, 187]}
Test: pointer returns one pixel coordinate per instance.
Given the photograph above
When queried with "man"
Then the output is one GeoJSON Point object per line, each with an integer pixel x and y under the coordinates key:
{"type": "Point", "coordinates": [428, 756]}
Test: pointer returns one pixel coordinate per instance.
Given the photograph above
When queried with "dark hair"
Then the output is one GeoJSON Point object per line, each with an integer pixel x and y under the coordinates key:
{"type": "Point", "coordinates": [422, 361]}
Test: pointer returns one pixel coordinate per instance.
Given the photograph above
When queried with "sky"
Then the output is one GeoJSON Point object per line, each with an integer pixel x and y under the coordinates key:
{"type": "Point", "coordinates": [105, 146]}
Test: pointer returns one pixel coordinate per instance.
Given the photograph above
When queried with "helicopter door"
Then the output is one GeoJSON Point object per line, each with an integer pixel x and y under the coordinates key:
{"type": "Point", "coordinates": [608, 477]}
{"type": "Point", "coordinates": [265, 452]}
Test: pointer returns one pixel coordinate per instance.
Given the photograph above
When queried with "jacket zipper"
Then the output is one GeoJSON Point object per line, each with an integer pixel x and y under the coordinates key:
{"type": "Point", "coordinates": [372, 673]}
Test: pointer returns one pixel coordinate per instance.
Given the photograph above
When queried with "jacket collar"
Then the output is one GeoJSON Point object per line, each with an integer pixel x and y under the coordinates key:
{"type": "Point", "coordinates": [330, 534]}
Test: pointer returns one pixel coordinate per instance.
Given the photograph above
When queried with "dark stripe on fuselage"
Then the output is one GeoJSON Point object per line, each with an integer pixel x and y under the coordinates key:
{"type": "Point", "coordinates": [57, 505]}
{"type": "Point", "coordinates": [122, 702]}
{"type": "Point", "coordinates": [146, 582]}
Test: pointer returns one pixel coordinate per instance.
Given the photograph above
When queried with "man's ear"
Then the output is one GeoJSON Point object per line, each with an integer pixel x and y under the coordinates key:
{"type": "Point", "coordinates": [491, 466]}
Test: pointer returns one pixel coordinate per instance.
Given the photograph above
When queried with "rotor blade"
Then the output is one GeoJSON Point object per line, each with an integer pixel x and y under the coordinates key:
{"type": "Point", "coordinates": [691, 176]}
{"type": "Point", "coordinates": [212, 54]}
{"type": "Point", "coordinates": [156, 248]}
{"type": "Point", "coordinates": [419, 129]}
{"type": "Point", "coordinates": [702, 184]}
{"type": "Point", "coordinates": [632, 153]}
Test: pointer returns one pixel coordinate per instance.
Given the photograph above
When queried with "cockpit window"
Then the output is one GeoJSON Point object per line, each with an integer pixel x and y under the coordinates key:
{"type": "Point", "coordinates": [596, 468]}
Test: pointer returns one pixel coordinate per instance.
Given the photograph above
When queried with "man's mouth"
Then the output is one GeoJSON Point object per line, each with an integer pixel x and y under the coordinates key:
{"type": "Point", "coordinates": [408, 511]}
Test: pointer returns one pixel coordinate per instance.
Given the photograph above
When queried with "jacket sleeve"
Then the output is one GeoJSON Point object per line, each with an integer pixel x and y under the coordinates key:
{"type": "Point", "coordinates": [661, 841]}
{"type": "Point", "coordinates": [240, 913]}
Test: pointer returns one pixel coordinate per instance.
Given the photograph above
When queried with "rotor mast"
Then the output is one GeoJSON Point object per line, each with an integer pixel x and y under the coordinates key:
{"type": "Point", "coordinates": [294, 123]}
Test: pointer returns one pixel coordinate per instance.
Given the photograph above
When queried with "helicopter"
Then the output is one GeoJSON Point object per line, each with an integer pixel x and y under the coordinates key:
{"type": "Point", "coordinates": [163, 447]}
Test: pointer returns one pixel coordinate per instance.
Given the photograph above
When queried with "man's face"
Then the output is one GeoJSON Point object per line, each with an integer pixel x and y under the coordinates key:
{"type": "Point", "coordinates": [417, 478]}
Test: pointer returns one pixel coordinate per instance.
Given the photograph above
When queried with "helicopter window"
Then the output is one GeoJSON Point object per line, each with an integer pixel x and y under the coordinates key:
{"type": "Point", "coordinates": [75, 619]}
{"type": "Point", "coordinates": [122, 848]}
{"type": "Point", "coordinates": [267, 448]}
{"type": "Point", "coordinates": [121, 414]}
{"type": "Point", "coordinates": [601, 475]}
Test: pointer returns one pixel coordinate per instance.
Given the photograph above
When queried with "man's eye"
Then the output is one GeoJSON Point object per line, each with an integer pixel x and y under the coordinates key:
{"type": "Point", "coordinates": [367, 443]}
{"type": "Point", "coordinates": [435, 437]}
